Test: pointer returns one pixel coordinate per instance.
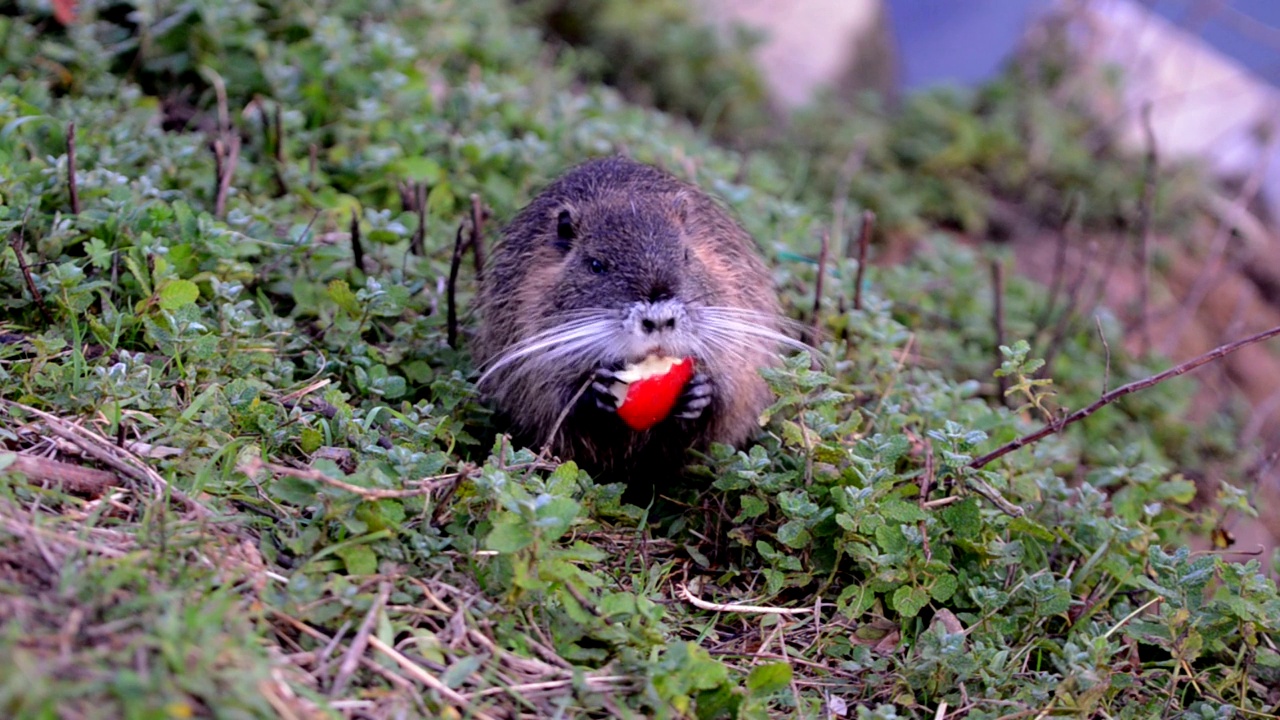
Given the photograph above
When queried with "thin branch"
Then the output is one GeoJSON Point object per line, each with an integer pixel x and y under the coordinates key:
{"type": "Point", "coordinates": [997, 291]}
{"type": "Point", "coordinates": [1120, 392]}
{"type": "Point", "coordinates": [1146, 207]}
{"type": "Point", "coordinates": [357, 247]}
{"type": "Point", "coordinates": [564, 414]}
{"type": "Point", "coordinates": [416, 672]}
{"type": "Point", "coordinates": [1060, 260]}
{"type": "Point", "coordinates": [1106, 373]}
{"type": "Point", "coordinates": [279, 117]}
{"type": "Point", "coordinates": [450, 289]}
{"type": "Point", "coordinates": [477, 234]}
{"type": "Point", "coordinates": [1071, 311]}
{"type": "Point", "coordinates": [736, 608]}
{"type": "Point", "coordinates": [120, 459]}
{"type": "Point", "coordinates": [17, 242]}
{"type": "Point", "coordinates": [72, 187]}
{"type": "Point", "coordinates": [72, 478]}
{"type": "Point", "coordinates": [864, 239]}
{"type": "Point", "coordinates": [361, 641]}
{"type": "Point", "coordinates": [926, 483]}
{"type": "Point", "coordinates": [275, 123]}
{"type": "Point", "coordinates": [227, 156]}
{"type": "Point", "coordinates": [1213, 261]}
{"type": "Point", "coordinates": [816, 331]}
{"type": "Point", "coordinates": [415, 196]}
{"type": "Point", "coordinates": [840, 198]}
{"type": "Point", "coordinates": [426, 486]}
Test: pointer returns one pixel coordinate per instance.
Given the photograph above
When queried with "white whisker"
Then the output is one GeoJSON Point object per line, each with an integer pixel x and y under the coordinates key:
{"type": "Point", "coordinates": [587, 332]}
{"type": "Point", "coordinates": [733, 330]}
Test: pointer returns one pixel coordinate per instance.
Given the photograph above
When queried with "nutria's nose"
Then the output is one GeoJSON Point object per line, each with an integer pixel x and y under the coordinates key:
{"type": "Point", "coordinates": [652, 325]}
{"type": "Point", "coordinates": [658, 317]}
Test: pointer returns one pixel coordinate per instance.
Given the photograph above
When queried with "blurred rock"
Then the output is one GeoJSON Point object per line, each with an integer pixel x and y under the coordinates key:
{"type": "Point", "coordinates": [811, 46]}
{"type": "Point", "coordinates": [1204, 105]}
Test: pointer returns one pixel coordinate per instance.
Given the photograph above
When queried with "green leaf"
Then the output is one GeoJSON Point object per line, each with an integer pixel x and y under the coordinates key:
{"type": "Point", "coordinates": [418, 169]}
{"type": "Point", "coordinates": [177, 293]}
{"type": "Point", "coordinates": [510, 534]}
{"type": "Point", "coordinates": [1026, 526]}
{"type": "Point", "coordinates": [1268, 658]}
{"type": "Point", "coordinates": [359, 559]}
{"type": "Point", "coordinates": [890, 538]}
{"type": "Point", "coordinates": [384, 514]}
{"type": "Point", "coordinates": [769, 679]}
{"type": "Point", "coordinates": [719, 702]}
{"type": "Point", "coordinates": [555, 516]}
{"type": "Point", "coordinates": [902, 512]}
{"type": "Point", "coordinates": [964, 518]}
{"type": "Point", "coordinates": [340, 293]}
{"type": "Point", "coordinates": [294, 491]}
{"type": "Point", "coordinates": [944, 587]}
{"type": "Point", "coordinates": [793, 534]}
{"type": "Point", "coordinates": [310, 440]}
{"type": "Point", "coordinates": [564, 480]}
{"type": "Point", "coordinates": [457, 673]}
{"type": "Point", "coordinates": [752, 507]}
{"type": "Point", "coordinates": [908, 601]}
{"type": "Point", "coordinates": [855, 600]}
{"type": "Point", "coordinates": [187, 222]}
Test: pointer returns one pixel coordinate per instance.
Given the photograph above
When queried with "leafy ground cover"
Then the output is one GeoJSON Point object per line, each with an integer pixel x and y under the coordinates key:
{"type": "Point", "coordinates": [276, 494]}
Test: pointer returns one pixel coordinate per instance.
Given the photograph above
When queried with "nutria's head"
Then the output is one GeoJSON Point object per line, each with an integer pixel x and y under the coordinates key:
{"type": "Point", "coordinates": [616, 261]}
{"type": "Point", "coordinates": [622, 269]}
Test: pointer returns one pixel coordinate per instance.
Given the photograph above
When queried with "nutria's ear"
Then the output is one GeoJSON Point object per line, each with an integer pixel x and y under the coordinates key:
{"type": "Point", "coordinates": [566, 229]}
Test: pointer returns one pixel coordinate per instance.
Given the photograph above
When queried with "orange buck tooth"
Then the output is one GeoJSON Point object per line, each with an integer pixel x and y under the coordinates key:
{"type": "Point", "coordinates": [647, 391]}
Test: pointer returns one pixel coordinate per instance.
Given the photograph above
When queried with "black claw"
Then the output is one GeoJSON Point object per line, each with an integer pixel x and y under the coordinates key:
{"type": "Point", "coordinates": [602, 390]}
{"type": "Point", "coordinates": [695, 398]}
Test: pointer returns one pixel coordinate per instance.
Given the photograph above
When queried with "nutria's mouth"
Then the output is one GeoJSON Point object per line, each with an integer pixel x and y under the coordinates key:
{"type": "Point", "coordinates": [659, 350]}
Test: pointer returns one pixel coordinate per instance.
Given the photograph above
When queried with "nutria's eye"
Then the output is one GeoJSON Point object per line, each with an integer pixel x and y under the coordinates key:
{"type": "Point", "coordinates": [596, 266]}
{"type": "Point", "coordinates": [564, 227]}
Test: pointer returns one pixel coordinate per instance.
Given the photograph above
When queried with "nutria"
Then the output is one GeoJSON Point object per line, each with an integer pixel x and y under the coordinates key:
{"type": "Point", "coordinates": [614, 261]}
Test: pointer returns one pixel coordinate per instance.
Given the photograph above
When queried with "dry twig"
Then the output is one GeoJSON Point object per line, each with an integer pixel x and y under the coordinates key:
{"type": "Point", "coordinates": [864, 239]}
{"type": "Point", "coordinates": [1110, 397]}
{"type": "Point", "coordinates": [997, 291]}
{"type": "Point", "coordinates": [226, 156]}
{"type": "Point", "coordinates": [736, 608]}
{"type": "Point", "coordinates": [72, 186]}
{"type": "Point", "coordinates": [816, 331]}
{"type": "Point", "coordinates": [104, 451]}
{"type": "Point", "coordinates": [357, 247]}
{"type": "Point", "coordinates": [72, 478]}
{"type": "Point", "coordinates": [426, 485]}
{"type": "Point", "coordinates": [360, 642]}
{"type": "Point", "coordinates": [477, 234]}
{"type": "Point", "coordinates": [451, 289]}
{"type": "Point", "coordinates": [1146, 207]}
{"type": "Point", "coordinates": [416, 672]}
{"type": "Point", "coordinates": [16, 241]}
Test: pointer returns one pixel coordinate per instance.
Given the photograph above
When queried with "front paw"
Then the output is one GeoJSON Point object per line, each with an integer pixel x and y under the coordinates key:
{"type": "Point", "coordinates": [601, 389]}
{"type": "Point", "coordinates": [695, 398]}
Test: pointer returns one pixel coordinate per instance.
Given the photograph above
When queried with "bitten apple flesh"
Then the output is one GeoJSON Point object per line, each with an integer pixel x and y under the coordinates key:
{"type": "Point", "coordinates": [647, 391]}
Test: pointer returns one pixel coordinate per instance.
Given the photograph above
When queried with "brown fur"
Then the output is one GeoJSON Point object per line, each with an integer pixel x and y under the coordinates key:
{"type": "Point", "coordinates": [658, 237]}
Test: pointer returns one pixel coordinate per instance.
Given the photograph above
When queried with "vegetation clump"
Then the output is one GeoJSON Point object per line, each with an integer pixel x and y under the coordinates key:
{"type": "Point", "coordinates": [244, 472]}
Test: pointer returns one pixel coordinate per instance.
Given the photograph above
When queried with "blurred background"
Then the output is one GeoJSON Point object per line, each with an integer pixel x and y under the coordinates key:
{"type": "Point", "coordinates": [937, 42]}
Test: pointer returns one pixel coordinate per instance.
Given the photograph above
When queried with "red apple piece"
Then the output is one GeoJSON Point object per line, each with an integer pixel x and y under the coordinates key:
{"type": "Point", "coordinates": [647, 391]}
